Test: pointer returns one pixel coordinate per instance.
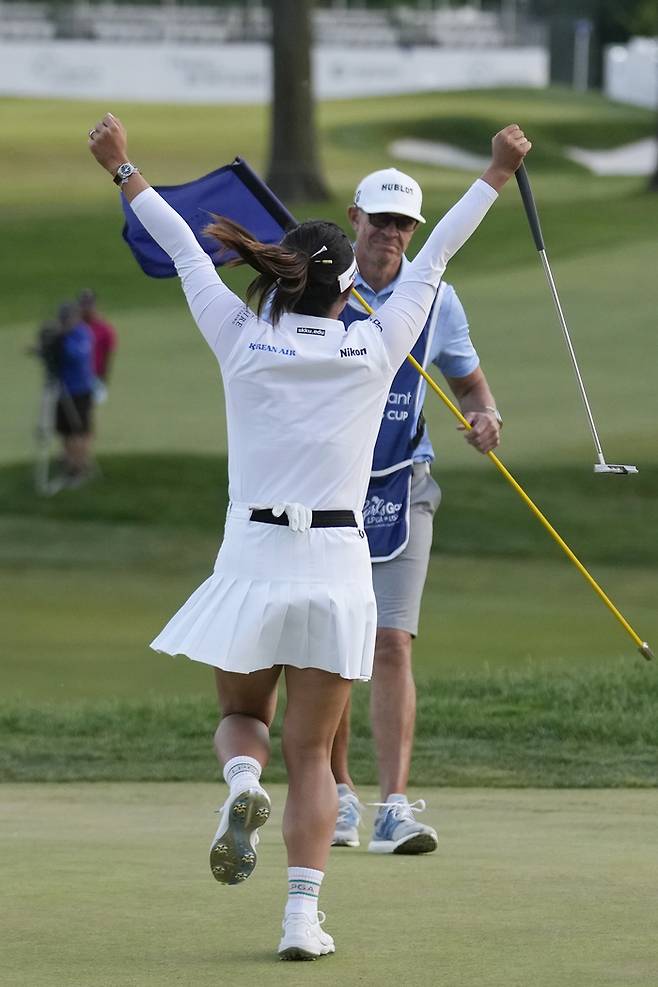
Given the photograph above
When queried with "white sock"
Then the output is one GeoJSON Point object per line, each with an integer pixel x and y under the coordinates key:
{"type": "Point", "coordinates": [241, 772]}
{"type": "Point", "coordinates": [303, 891]}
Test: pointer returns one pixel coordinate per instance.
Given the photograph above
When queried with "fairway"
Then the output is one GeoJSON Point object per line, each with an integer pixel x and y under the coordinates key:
{"type": "Point", "coordinates": [110, 887]}
{"type": "Point", "coordinates": [89, 577]}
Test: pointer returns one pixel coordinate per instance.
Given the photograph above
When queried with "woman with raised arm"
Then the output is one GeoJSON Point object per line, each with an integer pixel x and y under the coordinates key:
{"type": "Point", "coordinates": [291, 589]}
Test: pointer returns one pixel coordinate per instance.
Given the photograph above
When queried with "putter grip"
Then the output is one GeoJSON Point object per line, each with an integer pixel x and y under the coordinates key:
{"type": "Point", "coordinates": [530, 207]}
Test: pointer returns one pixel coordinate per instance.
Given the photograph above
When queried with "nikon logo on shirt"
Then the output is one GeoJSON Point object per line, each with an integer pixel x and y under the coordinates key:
{"type": "Point", "coordinates": [348, 351]}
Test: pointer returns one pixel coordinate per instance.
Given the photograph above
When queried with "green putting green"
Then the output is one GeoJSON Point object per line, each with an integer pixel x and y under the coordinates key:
{"type": "Point", "coordinates": [109, 885]}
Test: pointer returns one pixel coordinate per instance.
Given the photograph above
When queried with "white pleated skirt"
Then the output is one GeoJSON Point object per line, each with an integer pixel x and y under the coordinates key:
{"type": "Point", "coordinates": [279, 597]}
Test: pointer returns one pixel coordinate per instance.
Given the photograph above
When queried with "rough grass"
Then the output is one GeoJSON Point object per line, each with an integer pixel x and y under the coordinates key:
{"type": "Point", "coordinates": [90, 576]}
{"type": "Point", "coordinates": [479, 514]}
{"type": "Point", "coordinates": [583, 729]}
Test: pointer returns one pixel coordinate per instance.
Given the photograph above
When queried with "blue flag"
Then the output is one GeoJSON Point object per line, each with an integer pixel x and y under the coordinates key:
{"type": "Point", "coordinates": [234, 191]}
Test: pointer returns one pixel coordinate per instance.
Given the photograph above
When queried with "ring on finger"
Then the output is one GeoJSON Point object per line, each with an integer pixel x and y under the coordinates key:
{"type": "Point", "coordinates": [92, 132]}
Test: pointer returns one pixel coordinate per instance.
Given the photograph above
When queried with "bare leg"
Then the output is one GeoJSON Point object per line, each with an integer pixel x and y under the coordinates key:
{"type": "Point", "coordinates": [393, 709]}
{"type": "Point", "coordinates": [340, 750]}
{"type": "Point", "coordinates": [316, 700]}
{"type": "Point", "coordinates": [76, 452]}
{"type": "Point", "coordinates": [248, 704]}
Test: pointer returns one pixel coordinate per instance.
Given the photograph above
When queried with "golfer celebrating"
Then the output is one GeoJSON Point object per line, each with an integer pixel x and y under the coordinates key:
{"type": "Point", "coordinates": [292, 585]}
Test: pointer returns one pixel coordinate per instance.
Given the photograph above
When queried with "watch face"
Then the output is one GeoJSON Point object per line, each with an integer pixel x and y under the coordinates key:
{"type": "Point", "coordinates": [125, 170]}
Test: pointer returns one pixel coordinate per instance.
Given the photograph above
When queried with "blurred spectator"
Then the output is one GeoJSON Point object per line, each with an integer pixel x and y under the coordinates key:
{"type": "Point", "coordinates": [75, 376]}
{"type": "Point", "coordinates": [105, 341]}
{"type": "Point", "coordinates": [46, 348]}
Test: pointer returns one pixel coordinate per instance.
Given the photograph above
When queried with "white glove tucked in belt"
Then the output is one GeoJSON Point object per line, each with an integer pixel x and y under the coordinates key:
{"type": "Point", "coordinates": [299, 517]}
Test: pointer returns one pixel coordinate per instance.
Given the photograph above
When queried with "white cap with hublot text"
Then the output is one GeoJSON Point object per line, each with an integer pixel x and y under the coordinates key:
{"type": "Point", "coordinates": [390, 190]}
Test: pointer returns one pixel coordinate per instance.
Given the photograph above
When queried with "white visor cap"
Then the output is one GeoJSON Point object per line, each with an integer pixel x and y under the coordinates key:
{"type": "Point", "coordinates": [390, 190]}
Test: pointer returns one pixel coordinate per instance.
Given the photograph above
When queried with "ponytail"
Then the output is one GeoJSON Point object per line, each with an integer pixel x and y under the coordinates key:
{"type": "Point", "coordinates": [276, 266]}
{"type": "Point", "coordinates": [287, 272]}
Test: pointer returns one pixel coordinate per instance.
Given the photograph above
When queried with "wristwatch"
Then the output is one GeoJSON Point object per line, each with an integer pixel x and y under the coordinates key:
{"type": "Point", "coordinates": [123, 173]}
{"type": "Point", "coordinates": [496, 413]}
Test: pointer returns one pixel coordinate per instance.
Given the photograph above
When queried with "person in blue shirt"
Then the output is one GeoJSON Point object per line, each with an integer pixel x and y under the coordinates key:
{"type": "Point", "coordinates": [401, 502]}
{"type": "Point", "coordinates": [75, 377]}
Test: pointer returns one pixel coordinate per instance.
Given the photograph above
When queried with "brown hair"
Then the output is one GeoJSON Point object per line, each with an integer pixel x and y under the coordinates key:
{"type": "Point", "coordinates": [289, 275]}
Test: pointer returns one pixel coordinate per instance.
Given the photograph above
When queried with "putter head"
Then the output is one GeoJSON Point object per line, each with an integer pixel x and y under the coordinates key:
{"type": "Point", "coordinates": [619, 470]}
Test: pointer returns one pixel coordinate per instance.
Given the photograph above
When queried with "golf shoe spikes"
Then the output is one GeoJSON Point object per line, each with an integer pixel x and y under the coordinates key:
{"type": "Point", "coordinates": [233, 850]}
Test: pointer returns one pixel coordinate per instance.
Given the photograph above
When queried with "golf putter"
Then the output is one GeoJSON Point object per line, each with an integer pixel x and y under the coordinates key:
{"type": "Point", "coordinates": [533, 219]}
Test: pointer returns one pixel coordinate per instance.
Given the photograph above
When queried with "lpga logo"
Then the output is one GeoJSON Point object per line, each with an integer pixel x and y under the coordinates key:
{"type": "Point", "coordinates": [377, 511]}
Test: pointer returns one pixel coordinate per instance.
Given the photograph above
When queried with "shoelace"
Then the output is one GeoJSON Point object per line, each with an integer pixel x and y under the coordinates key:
{"type": "Point", "coordinates": [346, 804]}
{"type": "Point", "coordinates": [401, 810]}
{"type": "Point", "coordinates": [307, 918]}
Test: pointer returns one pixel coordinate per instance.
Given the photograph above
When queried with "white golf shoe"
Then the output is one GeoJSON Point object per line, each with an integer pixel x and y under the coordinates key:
{"type": "Point", "coordinates": [398, 831]}
{"type": "Point", "coordinates": [233, 850]}
{"type": "Point", "coordinates": [303, 938]}
{"type": "Point", "coordinates": [346, 832]}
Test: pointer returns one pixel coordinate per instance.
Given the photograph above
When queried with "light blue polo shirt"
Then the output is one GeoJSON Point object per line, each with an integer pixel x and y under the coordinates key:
{"type": "Point", "coordinates": [452, 350]}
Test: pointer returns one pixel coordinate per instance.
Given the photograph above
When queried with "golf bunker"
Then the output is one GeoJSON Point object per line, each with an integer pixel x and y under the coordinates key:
{"type": "Point", "coordinates": [639, 158]}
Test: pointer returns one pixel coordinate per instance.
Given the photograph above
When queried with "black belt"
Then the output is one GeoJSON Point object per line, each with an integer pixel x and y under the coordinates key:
{"type": "Point", "coordinates": [321, 519]}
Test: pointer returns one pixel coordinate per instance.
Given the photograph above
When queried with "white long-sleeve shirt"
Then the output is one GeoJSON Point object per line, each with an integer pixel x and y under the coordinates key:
{"type": "Point", "coordinates": [304, 398]}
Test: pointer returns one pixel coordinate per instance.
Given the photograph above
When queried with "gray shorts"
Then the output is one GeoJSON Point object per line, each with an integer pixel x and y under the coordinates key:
{"type": "Point", "coordinates": [399, 582]}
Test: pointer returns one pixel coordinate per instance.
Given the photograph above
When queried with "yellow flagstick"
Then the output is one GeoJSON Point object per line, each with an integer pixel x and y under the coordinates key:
{"type": "Point", "coordinates": [643, 647]}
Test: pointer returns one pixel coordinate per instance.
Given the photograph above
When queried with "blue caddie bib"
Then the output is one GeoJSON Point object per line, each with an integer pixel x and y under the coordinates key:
{"type": "Point", "coordinates": [386, 509]}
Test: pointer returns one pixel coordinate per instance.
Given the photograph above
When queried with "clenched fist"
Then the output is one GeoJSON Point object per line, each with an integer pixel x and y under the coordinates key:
{"type": "Point", "coordinates": [508, 149]}
{"type": "Point", "coordinates": [108, 142]}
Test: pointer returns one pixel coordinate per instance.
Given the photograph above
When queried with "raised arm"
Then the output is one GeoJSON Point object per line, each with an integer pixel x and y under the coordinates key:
{"type": "Point", "coordinates": [403, 316]}
{"type": "Point", "coordinates": [211, 303]}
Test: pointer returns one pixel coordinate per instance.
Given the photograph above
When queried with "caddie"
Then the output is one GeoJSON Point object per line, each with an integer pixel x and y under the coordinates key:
{"type": "Point", "coordinates": [401, 501]}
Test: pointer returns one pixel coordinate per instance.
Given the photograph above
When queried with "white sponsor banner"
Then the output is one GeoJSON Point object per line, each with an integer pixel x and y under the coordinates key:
{"type": "Point", "coordinates": [372, 71]}
{"type": "Point", "coordinates": [631, 72]}
{"type": "Point", "coordinates": [240, 73]}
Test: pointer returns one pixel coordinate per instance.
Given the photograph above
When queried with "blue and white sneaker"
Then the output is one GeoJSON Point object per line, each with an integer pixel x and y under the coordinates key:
{"type": "Point", "coordinates": [346, 832]}
{"type": "Point", "coordinates": [233, 850]}
{"type": "Point", "coordinates": [398, 831]}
